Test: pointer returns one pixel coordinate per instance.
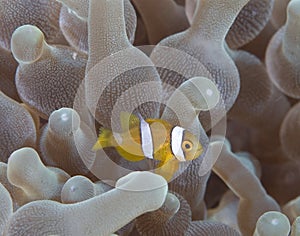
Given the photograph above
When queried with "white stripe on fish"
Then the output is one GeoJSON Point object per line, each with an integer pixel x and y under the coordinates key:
{"type": "Point", "coordinates": [176, 141]}
{"type": "Point", "coordinates": [146, 139]}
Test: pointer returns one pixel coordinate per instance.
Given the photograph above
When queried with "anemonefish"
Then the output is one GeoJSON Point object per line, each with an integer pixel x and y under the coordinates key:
{"type": "Point", "coordinates": [152, 139]}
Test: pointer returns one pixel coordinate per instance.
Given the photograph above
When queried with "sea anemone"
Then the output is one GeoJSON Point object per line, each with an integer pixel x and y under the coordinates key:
{"type": "Point", "coordinates": [225, 71]}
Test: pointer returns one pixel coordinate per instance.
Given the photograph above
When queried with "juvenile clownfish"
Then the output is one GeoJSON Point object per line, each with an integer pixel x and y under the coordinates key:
{"type": "Point", "coordinates": [152, 139]}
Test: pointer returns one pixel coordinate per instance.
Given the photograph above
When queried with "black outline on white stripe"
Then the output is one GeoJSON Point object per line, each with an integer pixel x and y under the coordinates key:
{"type": "Point", "coordinates": [146, 139]}
{"type": "Point", "coordinates": [179, 154]}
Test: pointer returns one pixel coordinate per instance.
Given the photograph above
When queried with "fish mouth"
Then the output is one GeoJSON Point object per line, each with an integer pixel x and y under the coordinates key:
{"type": "Point", "coordinates": [198, 153]}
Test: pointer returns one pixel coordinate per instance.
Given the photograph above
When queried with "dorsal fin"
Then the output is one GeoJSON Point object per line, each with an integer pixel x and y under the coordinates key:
{"type": "Point", "coordinates": [128, 121]}
{"type": "Point", "coordinates": [153, 120]}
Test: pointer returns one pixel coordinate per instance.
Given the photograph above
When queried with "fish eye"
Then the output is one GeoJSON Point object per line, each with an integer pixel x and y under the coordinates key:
{"type": "Point", "coordinates": [187, 145]}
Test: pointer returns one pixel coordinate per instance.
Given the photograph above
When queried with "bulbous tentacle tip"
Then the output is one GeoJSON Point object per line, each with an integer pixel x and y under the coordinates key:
{"type": "Point", "coordinates": [293, 8]}
{"type": "Point", "coordinates": [139, 181]}
{"type": "Point", "coordinates": [20, 164]}
{"type": "Point", "coordinates": [272, 223]}
{"type": "Point", "coordinates": [64, 121]}
{"type": "Point", "coordinates": [23, 152]}
{"type": "Point", "coordinates": [22, 160]}
{"type": "Point", "coordinates": [27, 43]}
{"type": "Point", "coordinates": [172, 203]}
{"type": "Point", "coordinates": [77, 189]}
{"type": "Point", "coordinates": [208, 91]}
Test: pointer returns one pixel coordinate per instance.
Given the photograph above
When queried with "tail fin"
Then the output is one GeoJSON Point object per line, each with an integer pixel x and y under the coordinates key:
{"type": "Point", "coordinates": [104, 139]}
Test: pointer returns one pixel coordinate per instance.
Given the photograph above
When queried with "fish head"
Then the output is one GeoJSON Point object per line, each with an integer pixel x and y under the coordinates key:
{"type": "Point", "coordinates": [191, 146]}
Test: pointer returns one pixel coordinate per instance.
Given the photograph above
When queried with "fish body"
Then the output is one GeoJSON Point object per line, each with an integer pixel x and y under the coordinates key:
{"type": "Point", "coordinates": [153, 139]}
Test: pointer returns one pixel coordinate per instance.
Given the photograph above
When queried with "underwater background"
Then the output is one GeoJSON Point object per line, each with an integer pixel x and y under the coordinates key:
{"type": "Point", "coordinates": [149, 117]}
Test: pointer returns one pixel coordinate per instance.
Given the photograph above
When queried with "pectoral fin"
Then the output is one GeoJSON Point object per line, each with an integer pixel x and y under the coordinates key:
{"type": "Point", "coordinates": [167, 169]}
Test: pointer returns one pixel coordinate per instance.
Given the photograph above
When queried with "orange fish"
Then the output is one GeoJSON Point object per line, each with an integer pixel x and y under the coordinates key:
{"type": "Point", "coordinates": [153, 139]}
